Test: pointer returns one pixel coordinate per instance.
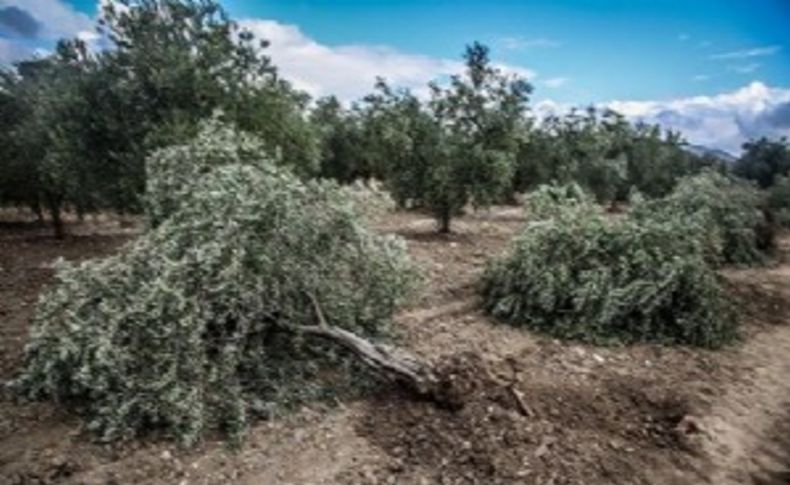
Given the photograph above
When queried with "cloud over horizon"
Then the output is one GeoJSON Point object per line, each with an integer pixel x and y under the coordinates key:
{"type": "Point", "coordinates": [723, 121]}
{"type": "Point", "coordinates": [747, 53]}
{"type": "Point", "coordinates": [521, 43]}
{"type": "Point", "coordinates": [29, 24]}
{"type": "Point", "coordinates": [16, 21]}
{"type": "Point", "coordinates": [350, 71]}
{"type": "Point", "coordinates": [56, 18]}
{"type": "Point", "coordinates": [555, 82]}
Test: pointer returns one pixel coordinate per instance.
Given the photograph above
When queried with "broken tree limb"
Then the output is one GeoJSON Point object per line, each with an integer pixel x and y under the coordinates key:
{"type": "Point", "coordinates": [386, 360]}
{"type": "Point", "coordinates": [389, 362]}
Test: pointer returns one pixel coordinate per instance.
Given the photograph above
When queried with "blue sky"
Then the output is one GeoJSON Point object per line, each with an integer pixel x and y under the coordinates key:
{"type": "Point", "coordinates": [604, 48]}
{"type": "Point", "coordinates": [717, 69]}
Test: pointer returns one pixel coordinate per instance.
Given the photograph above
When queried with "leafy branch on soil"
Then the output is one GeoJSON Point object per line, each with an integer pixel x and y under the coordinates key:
{"type": "Point", "coordinates": [649, 276]}
{"type": "Point", "coordinates": [182, 331]}
{"type": "Point", "coordinates": [729, 215]}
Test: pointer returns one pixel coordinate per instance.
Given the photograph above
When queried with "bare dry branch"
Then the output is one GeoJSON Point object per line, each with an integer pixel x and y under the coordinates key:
{"type": "Point", "coordinates": [318, 311]}
{"type": "Point", "coordinates": [388, 361]}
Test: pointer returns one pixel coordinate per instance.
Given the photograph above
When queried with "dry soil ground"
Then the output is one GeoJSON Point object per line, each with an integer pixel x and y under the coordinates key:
{"type": "Point", "coordinates": [537, 410]}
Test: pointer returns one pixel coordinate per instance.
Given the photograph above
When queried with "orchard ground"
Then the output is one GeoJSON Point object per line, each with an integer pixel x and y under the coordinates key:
{"type": "Point", "coordinates": [537, 410]}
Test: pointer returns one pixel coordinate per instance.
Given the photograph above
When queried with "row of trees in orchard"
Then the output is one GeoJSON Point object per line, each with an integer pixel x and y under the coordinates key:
{"type": "Point", "coordinates": [606, 155]}
{"type": "Point", "coordinates": [474, 142]}
{"type": "Point", "coordinates": [257, 277]}
{"type": "Point", "coordinates": [456, 148]}
{"type": "Point", "coordinates": [77, 125]}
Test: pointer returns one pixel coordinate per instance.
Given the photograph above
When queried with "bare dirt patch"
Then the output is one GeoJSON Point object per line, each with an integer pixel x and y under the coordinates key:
{"type": "Point", "coordinates": [748, 436]}
{"type": "Point", "coordinates": [593, 415]}
{"type": "Point", "coordinates": [514, 431]}
{"type": "Point", "coordinates": [33, 435]}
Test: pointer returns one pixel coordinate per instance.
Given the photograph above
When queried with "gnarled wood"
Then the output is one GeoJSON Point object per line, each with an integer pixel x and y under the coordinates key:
{"type": "Point", "coordinates": [386, 360]}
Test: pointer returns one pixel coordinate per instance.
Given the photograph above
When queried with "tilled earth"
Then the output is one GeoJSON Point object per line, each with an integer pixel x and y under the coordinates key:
{"type": "Point", "coordinates": [514, 431]}
{"type": "Point", "coordinates": [533, 409]}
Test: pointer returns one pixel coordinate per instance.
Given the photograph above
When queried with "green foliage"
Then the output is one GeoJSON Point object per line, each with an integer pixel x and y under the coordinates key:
{"type": "Point", "coordinates": [18, 180]}
{"type": "Point", "coordinates": [658, 161]}
{"type": "Point", "coordinates": [83, 123]}
{"type": "Point", "coordinates": [173, 170]}
{"type": "Point", "coordinates": [44, 146]}
{"type": "Point", "coordinates": [603, 153]}
{"type": "Point", "coordinates": [454, 150]}
{"type": "Point", "coordinates": [576, 148]}
{"type": "Point", "coordinates": [549, 201]}
{"type": "Point", "coordinates": [764, 161]}
{"type": "Point", "coordinates": [574, 273]}
{"type": "Point", "coordinates": [371, 198]}
{"type": "Point", "coordinates": [401, 143]}
{"type": "Point", "coordinates": [176, 62]}
{"type": "Point", "coordinates": [735, 229]}
{"type": "Point", "coordinates": [344, 156]}
{"type": "Point", "coordinates": [190, 327]}
{"type": "Point", "coordinates": [779, 201]}
{"type": "Point", "coordinates": [481, 117]}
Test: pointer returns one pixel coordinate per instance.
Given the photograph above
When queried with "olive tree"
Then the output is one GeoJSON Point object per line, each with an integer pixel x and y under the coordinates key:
{"type": "Point", "coordinates": [582, 147]}
{"type": "Point", "coordinates": [779, 201]}
{"type": "Point", "coordinates": [604, 153]}
{"type": "Point", "coordinates": [459, 147]}
{"type": "Point", "coordinates": [173, 63]}
{"type": "Point", "coordinates": [575, 273]}
{"type": "Point", "coordinates": [18, 180]}
{"type": "Point", "coordinates": [764, 161]}
{"type": "Point", "coordinates": [734, 224]}
{"type": "Point", "coordinates": [344, 154]}
{"type": "Point", "coordinates": [230, 305]}
{"type": "Point", "coordinates": [480, 115]}
{"type": "Point", "coordinates": [401, 143]}
{"type": "Point", "coordinates": [86, 120]}
{"type": "Point", "coordinates": [45, 152]}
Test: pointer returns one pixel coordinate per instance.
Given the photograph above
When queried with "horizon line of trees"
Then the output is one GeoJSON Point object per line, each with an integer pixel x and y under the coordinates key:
{"type": "Point", "coordinates": [76, 126]}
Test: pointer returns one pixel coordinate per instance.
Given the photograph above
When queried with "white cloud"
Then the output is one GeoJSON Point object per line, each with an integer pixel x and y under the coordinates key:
{"type": "Point", "coordinates": [88, 36]}
{"type": "Point", "coordinates": [701, 77]}
{"type": "Point", "coordinates": [57, 18]}
{"type": "Point", "coordinates": [512, 70]}
{"type": "Point", "coordinates": [349, 71]}
{"type": "Point", "coordinates": [745, 68]}
{"type": "Point", "coordinates": [748, 53]}
{"type": "Point", "coordinates": [555, 82]}
{"type": "Point", "coordinates": [11, 51]}
{"type": "Point", "coordinates": [723, 121]}
{"type": "Point", "coordinates": [548, 107]}
{"type": "Point", "coordinates": [520, 43]}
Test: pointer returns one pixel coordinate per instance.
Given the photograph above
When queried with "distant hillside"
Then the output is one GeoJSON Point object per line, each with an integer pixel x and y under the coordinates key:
{"type": "Point", "coordinates": [702, 151]}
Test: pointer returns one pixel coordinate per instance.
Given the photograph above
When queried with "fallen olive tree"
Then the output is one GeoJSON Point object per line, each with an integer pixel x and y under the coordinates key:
{"type": "Point", "coordinates": [247, 288]}
{"type": "Point", "coordinates": [730, 215]}
{"type": "Point", "coordinates": [577, 273]}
